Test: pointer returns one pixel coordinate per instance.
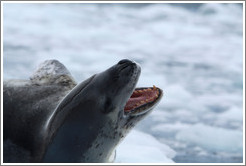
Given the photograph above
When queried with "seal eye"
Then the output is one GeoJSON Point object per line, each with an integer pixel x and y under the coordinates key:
{"type": "Point", "coordinates": [107, 106]}
{"type": "Point", "coordinates": [142, 99]}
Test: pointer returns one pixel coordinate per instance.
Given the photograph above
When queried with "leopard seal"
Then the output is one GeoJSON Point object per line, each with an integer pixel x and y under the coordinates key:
{"type": "Point", "coordinates": [50, 118]}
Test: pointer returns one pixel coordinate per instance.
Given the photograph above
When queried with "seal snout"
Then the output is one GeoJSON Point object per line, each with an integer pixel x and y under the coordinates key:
{"type": "Point", "coordinates": [126, 63]}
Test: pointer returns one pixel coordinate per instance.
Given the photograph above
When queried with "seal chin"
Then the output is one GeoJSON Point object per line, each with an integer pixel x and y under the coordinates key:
{"type": "Point", "coordinates": [142, 100]}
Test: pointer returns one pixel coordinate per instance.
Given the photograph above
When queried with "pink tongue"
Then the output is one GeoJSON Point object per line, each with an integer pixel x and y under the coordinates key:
{"type": "Point", "coordinates": [141, 97]}
{"type": "Point", "coordinates": [131, 103]}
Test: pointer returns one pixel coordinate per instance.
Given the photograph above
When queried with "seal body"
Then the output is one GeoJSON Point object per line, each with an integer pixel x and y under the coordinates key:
{"type": "Point", "coordinates": [51, 119]}
{"type": "Point", "coordinates": [26, 106]}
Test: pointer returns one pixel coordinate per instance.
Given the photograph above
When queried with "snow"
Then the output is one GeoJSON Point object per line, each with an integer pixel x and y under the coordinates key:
{"type": "Point", "coordinates": [193, 52]}
{"type": "Point", "coordinates": [139, 147]}
{"type": "Point", "coordinates": [213, 138]}
{"type": "Point", "coordinates": [233, 114]}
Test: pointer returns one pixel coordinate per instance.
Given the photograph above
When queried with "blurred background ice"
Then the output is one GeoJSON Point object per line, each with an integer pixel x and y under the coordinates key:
{"type": "Point", "coordinates": [194, 52]}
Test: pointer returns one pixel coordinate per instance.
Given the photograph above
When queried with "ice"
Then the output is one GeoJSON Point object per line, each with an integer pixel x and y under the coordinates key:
{"type": "Point", "coordinates": [194, 52]}
{"type": "Point", "coordinates": [234, 113]}
{"type": "Point", "coordinates": [171, 127]}
{"type": "Point", "coordinates": [139, 147]}
{"type": "Point", "coordinates": [213, 138]}
{"type": "Point", "coordinates": [172, 99]}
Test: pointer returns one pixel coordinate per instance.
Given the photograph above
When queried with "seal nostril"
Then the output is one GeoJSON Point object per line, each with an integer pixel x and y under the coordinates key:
{"type": "Point", "coordinates": [124, 61]}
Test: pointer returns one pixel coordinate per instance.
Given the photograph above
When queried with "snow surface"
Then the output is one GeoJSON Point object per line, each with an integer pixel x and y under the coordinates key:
{"type": "Point", "coordinates": [193, 52]}
{"type": "Point", "coordinates": [213, 138]}
{"type": "Point", "coordinates": [139, 146]}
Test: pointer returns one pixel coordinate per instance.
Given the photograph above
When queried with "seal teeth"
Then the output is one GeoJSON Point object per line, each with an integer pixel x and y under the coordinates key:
{"type": "Point", "coordinates": [154, 87]}
{"type": "Point", "coordinates": [140, 91]}
{"type": "Point", "coordinates": [147, 100]}
{"type": "Point", "coordinates": [142, 102]}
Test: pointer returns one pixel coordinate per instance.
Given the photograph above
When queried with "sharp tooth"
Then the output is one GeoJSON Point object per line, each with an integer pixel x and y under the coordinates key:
{"type": "Point", "coordinates": [145, 90]}
{"type": "Point", "coordinates": [154, 87]}
{"type": "Point", "coordinates": [147, 100]}
{"type": "Point", "coordinates": [156, 95]}
{"type": "Point", "coordinates": [140, 91]}
{"type": "Point", "coordinates": [136, 91]}
{"type": "Point", "coordinates": [142, 102]}
{"type": "Point", "coordinates": [149, 89]}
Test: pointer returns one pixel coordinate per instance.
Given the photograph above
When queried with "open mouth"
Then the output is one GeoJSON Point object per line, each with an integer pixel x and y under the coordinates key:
{"type": "Point", "coordinates": [142, 99]}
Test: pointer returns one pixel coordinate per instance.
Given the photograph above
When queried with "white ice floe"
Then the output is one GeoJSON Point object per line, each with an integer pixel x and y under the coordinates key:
{"type": "Point", "coordinates": [213, 138]}
{"type": "Point", "coordinates": [139, 147]}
